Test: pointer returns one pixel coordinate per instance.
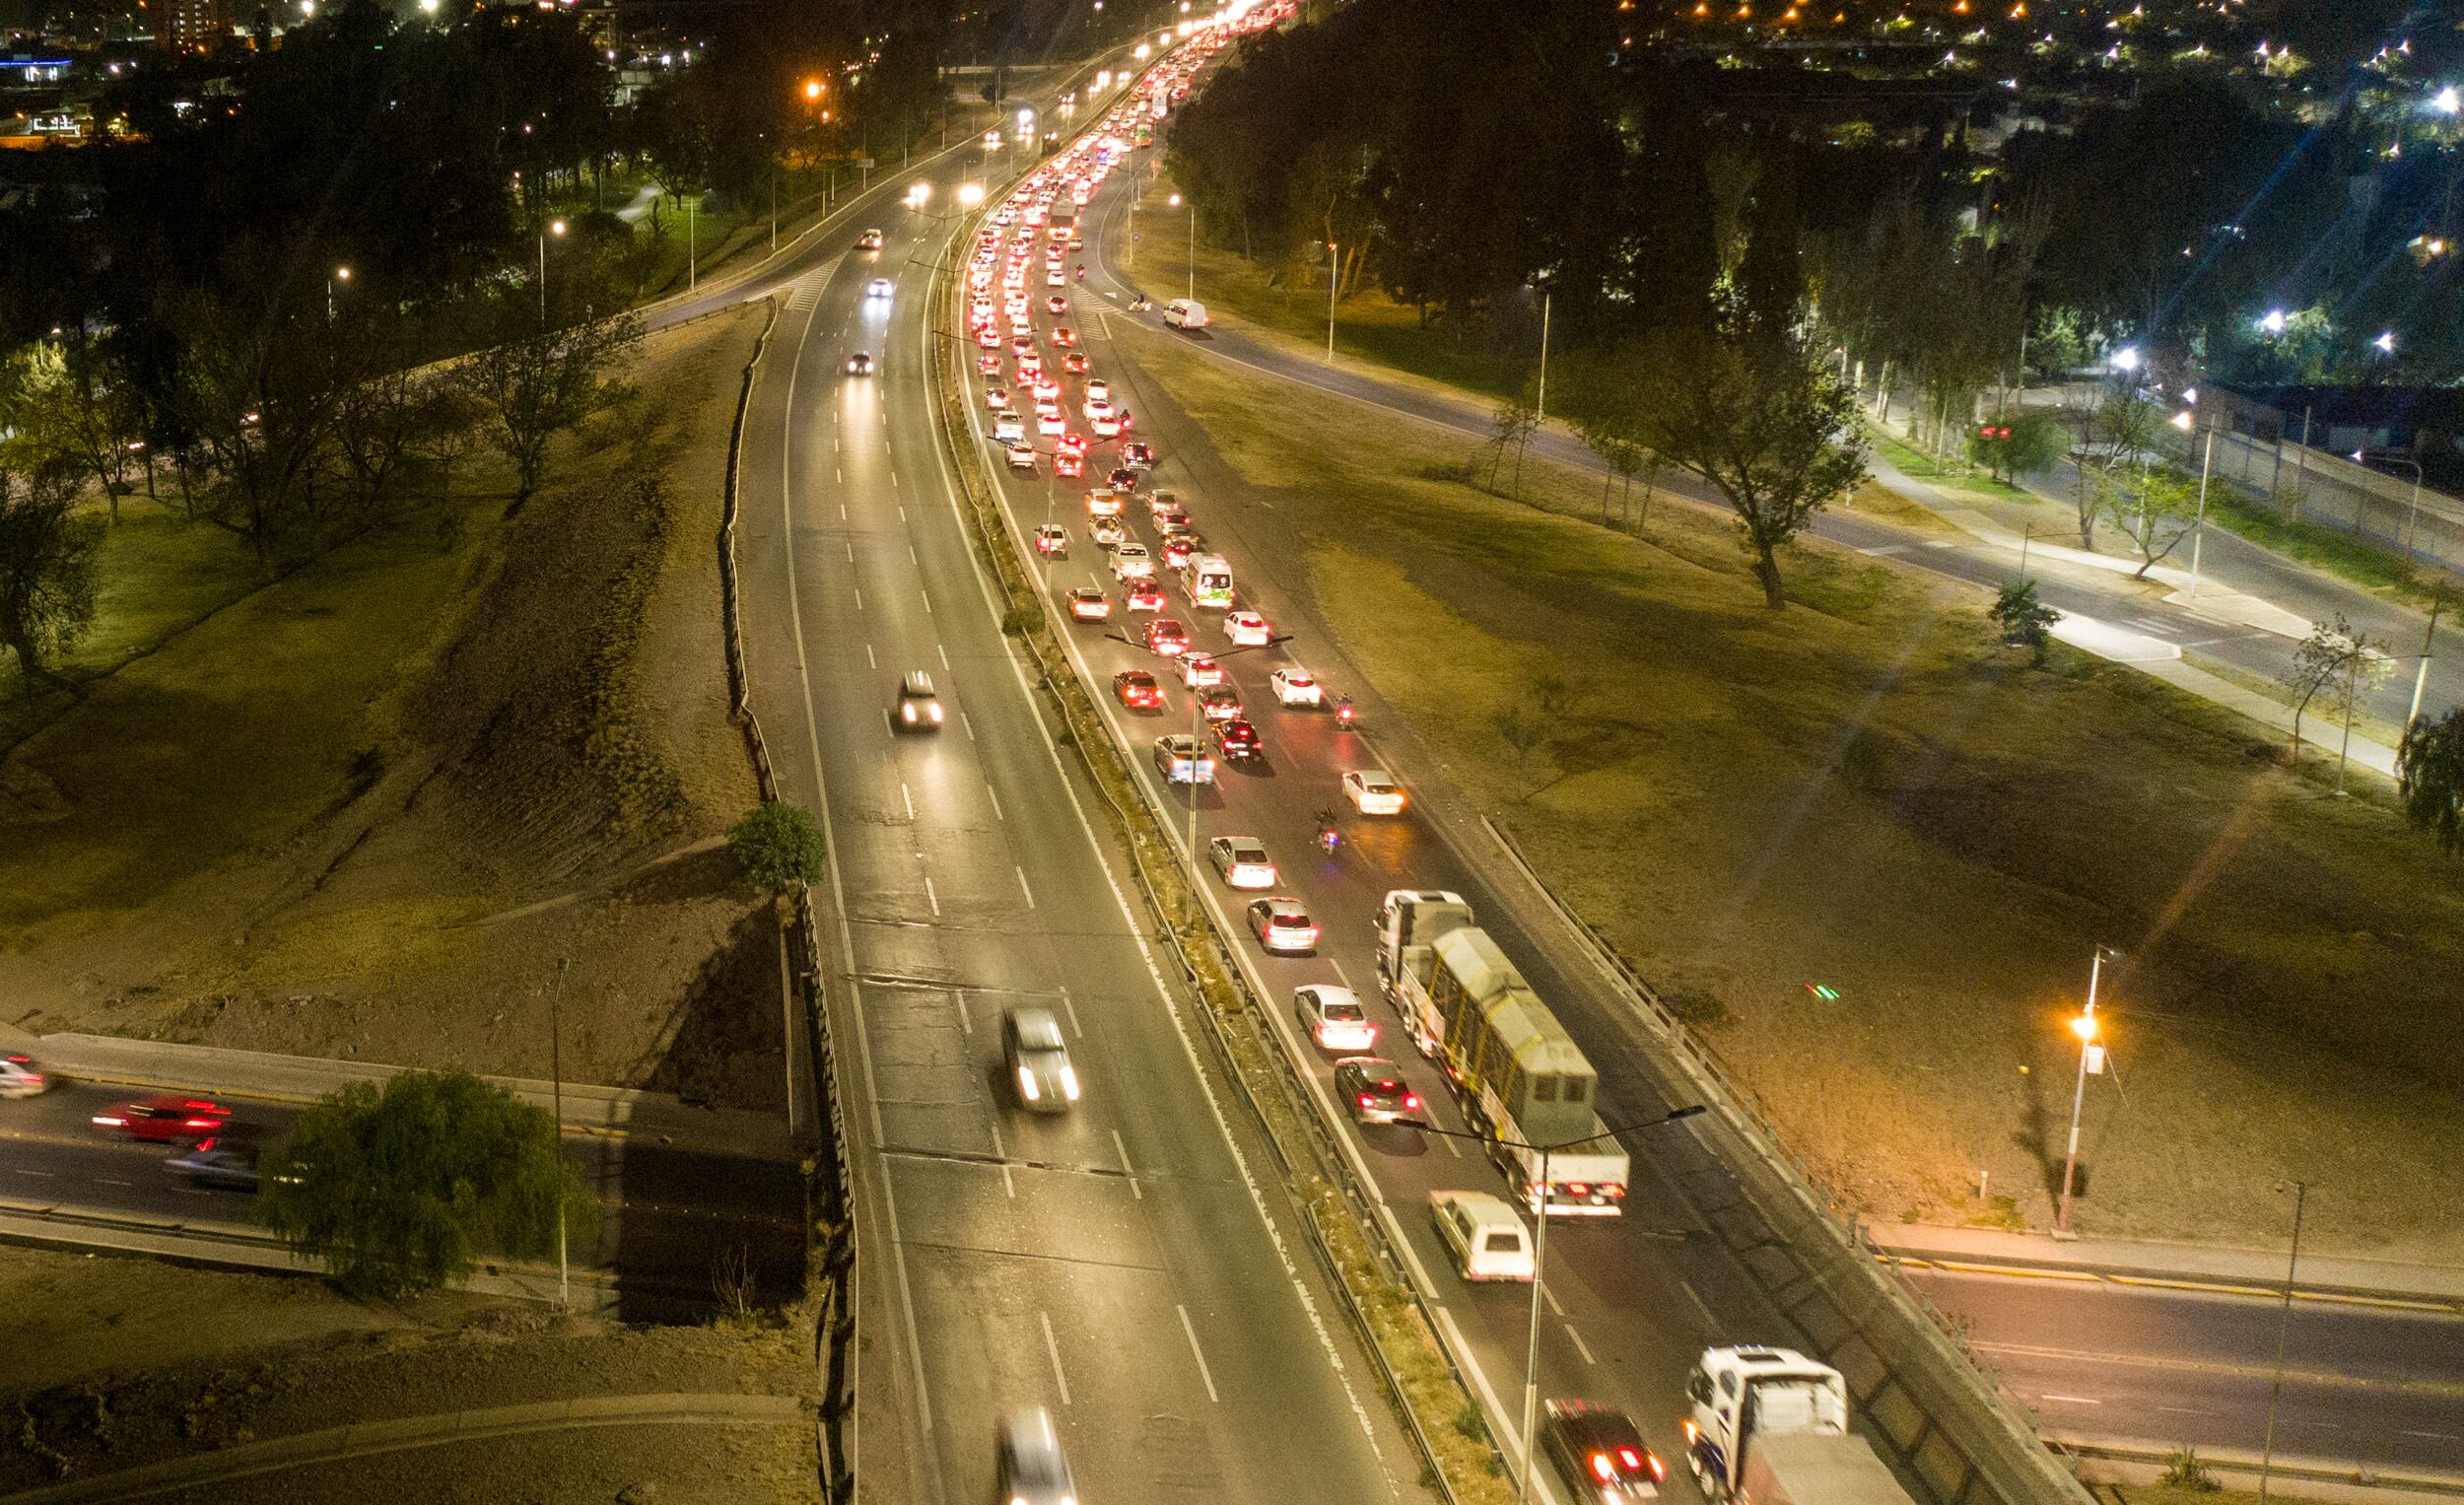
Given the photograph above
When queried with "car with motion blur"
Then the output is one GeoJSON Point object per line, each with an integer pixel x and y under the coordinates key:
{"type": "Point", "coordinates": [1030, 366]}
{"type": "Point", "coordinates": [1075, 363]}
{"type": "Point", "coordinates": [1048, 420]}
{"type": "Point", "coordinates": [1065, 464]}
{"type": "Point", "coordinates": [1123, 478]}
{"type": "Point", "coordinates": [1021, 456]}
{"type": "Point", "coordinates": [1599, 1453]}
{"type": "Point", "coordinates": [1103, 502]}
{"type": "Point", "coordinates": [1242, 861]}
{"type": "Point", "coordinates": [1483, 1234]}
{"type": "Point", "coordinates": [21, 1076]}
{"type": "Point", "coordinates": [1333, 1018]}
{"type": "Point", "coordinates": [1108, 532]}
{"type": "Point", "coordinates": [166, 1118]}
{"type": "Point", "coordinates": [1138, 456]}
{"type": "Point", "coordinates": [1038, 1060]}
{"type": "Point", "coordinates": [1028, 1459]}
{"type": "Point", "coordinates": [860, 364]}
{"type": "Point", "coordinates": [990, 338]}
{"type": "Point", "coordinates": [996, 399]}
{"type": "Point", "coordinates": [1057, 304]}
{"type": "Point", "coordinates": [1198, 671]}
{"type": "Point", "coordinates": [1007, 424]}
{"type": "Point", "coordinates": [879, 286]}
{"type": "Point", "coordinates": [1373, 791]}
{"type": "Point", "coordinates": [222, 1162]}
{"type": "Point", "coordinates": [1132, 561]}
{"type": "Point", "coordinates": [1374, 1091]}
{"type": "Point", "coordinates": [1248, 629]}
{"type": "Point", "coordinates": [919, 705]}
{"type": "Point", "coordinates": [1183, 759]}
{"type": "Point", "coordinates": [989, 365]}
{"type": "Point", "coordinates": [1105, 425]}
{"type": "Point", "coordinates": [1052, 540]}
{"type": "Point", "coordinates": [1163, 503]}
{"type": "Point", "coordinates": [1178, 547]}
{"type": "Point", "coordinates": [1221, 702]}
{"type": "Point", "coordinates": [1239, 741]}
{"type": "Point", "coordinates": [1145, 595]}
{"type": "Point", "coordinates": [1139, 690]}
{"type": "Point", "coordinates": [1063, 335]}
{"type": "Point", "coordinates": [870, 240]}
{"type": "Point", "coordinates": [1282, 926]}
{"type": "Point", "coordinates": [1294, 687]}
{"type": "Point", "coordinates": [1166, 636]}
{"type": "Point", "coordinates": [1072, 444]}
{"type": "Point", "coordinates": [1098, 390]}
{"type": "Point", "coordinates": [1089, 604]}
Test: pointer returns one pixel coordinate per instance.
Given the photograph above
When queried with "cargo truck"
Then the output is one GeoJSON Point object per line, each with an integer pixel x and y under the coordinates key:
{"type": "Point", "coordinates": [1517, 1076]}
{"type": "Point", "coordinates": [1770, 1427]}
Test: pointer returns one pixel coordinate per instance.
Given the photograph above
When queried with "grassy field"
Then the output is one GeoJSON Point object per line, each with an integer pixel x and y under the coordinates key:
{"type": "Point", "coordinates": [1368, 325]}
{"type": "Point", "coordinates": [1864, 793]}
{"type": "Point", "coordinates": [1953, 476]}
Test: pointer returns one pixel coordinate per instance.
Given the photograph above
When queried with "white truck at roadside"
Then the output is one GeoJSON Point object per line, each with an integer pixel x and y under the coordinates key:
{"type": "Point", "coordinates": [1770, 1426]}
{"type": "Point", "coordinates": [1517, 1078]}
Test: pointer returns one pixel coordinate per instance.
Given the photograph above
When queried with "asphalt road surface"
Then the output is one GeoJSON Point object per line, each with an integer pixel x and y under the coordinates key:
{"type": "Point", "coordinates": [1128, 1264]}
{"type": "Point", "coordinates": [669, 1216]}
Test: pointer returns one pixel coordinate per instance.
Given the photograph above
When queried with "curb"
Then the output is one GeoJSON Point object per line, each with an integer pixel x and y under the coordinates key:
{"type": "Point", "coordinates": [2174, 1281]}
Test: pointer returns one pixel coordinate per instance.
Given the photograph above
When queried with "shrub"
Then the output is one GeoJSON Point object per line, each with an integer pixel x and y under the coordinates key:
{"type": "Point", "coordinates": [775, 844]}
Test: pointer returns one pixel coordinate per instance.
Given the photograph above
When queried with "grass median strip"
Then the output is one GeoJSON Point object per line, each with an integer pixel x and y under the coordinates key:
{"type": "Point", "coordinates": [1444, 1410]}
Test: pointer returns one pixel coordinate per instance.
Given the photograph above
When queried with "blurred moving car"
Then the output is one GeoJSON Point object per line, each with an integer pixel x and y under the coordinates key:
{"type": "Point", "coordinates": [221, 1162]}
{"type": "Point", "coordinates": [1089, 604]}
{"type": "Point", "coordinates": [166, 1118]}
{"type": "Point", "coordinates": [860, 364]}
{"type": "Point", "coordinates": [1332, 1016]}
{"type": "Point", "coordinates": [1029, 1460]}
{"type": "Point", "coordinates": [919, 706]}
{"type": "Point", "coordinates": [1037, 1060]}
{"type": "Point", "coordinates": [20, 1077]}
{"type": "Point", "coordinates": [1242, 860]}
{"type": "Point", "coordinates": [1374, 1091]}
{"type": "Point", "coordinates": [1601, 1452]}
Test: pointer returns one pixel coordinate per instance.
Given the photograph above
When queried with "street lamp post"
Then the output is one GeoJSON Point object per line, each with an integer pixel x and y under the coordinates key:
{"type": "Point", "coordinates": [1539, 1256]}
{"type": "Point", "coordinates": [2084, 1027]}
{"type": "Point", "coordinates": [2284, 1325]}
{"type": "Point", "coordinates": [1175, 201]}
{"type": "Point", "coordinates": [2185, 421]}
{"type": "Point", "coordinates": [551, 228]}
{"type": "Point", "coordinates": [1539, 406]}
{"type": "Point", "coordinates": [2413, 517]}
{"type": "Point", "coordinates": [555, 1080]}
{"type": "Point", "coordinates": [340, 274]}
{"type": "Point", "coordinates": [1330, 265]}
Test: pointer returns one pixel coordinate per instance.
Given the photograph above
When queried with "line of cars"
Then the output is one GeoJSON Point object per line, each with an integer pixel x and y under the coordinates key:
{"type": "Point", "coordinates": [207, 1145]}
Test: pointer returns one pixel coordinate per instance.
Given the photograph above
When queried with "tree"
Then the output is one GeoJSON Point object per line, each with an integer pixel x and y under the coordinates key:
{"type": "Point", "coordinates": [1524, 734]}
{"type": "Point", "coordinates": [2012, 446]}
{"type": "Point", "coordinates": [46, 569]}
{"type": "Point", "coordinates": [2333, 652]}
{"type": "Point", "coordinates": [1511, 429]}
{"type": "Point", "coordinates": [775, 844]}
{"type": "Point", "coordinates": [1764, 422]}
{"type": "Point", "coordinates": [2157, 516]}
{"type": "Point", "coordinates": [2429, 773]}
{"type": "Point", "coordinates": [2024, 621]}
{"type": "Point", "coordinates": [74, 406]}
{"type": "Point", "coordinates": [2120, 433]}
{"type": "Point", "coordinates": [535, 383]}
{"type": "Point", "coordinates": [399, 1189]}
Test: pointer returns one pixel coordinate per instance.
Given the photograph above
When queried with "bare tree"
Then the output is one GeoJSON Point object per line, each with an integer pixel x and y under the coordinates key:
{"type": "Point", "coordinates": [533, 384]}
{"type": "Point", "coordinates": [2334, 654]}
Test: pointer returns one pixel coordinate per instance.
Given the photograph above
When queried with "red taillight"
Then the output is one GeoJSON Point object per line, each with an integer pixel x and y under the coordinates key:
{"type": "Point", "coordinates": [1626, 1457]}
{"type": "Point", "coordinates": [1605, 1470]}
{"type": "Point", "coordinates": [1366, 1101]}
{"type": "Point", "coordinates": [1611, 1189]}
{"type": "Point", "coordinates": [1409, 1101]}
{"type": "Point", "coordinates": [1578, 1189]}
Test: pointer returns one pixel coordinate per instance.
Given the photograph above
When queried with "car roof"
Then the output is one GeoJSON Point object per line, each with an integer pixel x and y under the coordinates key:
{"type": "Point", "coordinates": [917, 682]}
{"type": "Point", "coordinates": [1035, 1028]}
{"type": "Point", "coordinates": [1588, 1425]}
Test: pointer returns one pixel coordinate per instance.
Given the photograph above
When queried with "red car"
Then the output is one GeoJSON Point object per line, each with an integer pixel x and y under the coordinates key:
{"type": "Point", "coordinates": [1145, 595]}
{"type": "Point", "coordinates": [1166, 636]}
{"type": "Point", "coordinates": [166, 1118]}
{"type": "Point", "coordinates": [1075, 363]}
{"type": "Point", "coordinates": [1137, 690]}
{"type": "Point", "coordinates": [1072, 444]}
{"type": "Point", "coordinates": [1065, 464]}
{"type": "Point", "coordinates": [1065, 335]}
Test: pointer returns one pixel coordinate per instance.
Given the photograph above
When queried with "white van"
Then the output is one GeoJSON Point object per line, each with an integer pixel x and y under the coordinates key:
{"type": "Point", "coordinates": [1483, 1234]}
{"type": "Point", "coordinates": [1185, 314]}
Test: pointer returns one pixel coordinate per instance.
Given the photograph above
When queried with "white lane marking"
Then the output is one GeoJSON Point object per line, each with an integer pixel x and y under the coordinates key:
{"type": "Point", "coordinates": [2192, 1410]}
{"type": "Point", "coordinates": [1550, 1297]}
{"type": "Point", "coordinates": [1498, 1414]}
{"type": "Point", "coordinates": [1580, 1347]}
{"type": "Point", "coordinates": [966, 1026]}
{"type": "Point", "coordinates": [945, 655]}
{"type": "Point", "coordinates": [2068, 1399]}
{"type": "Point", "coordinates": [911, 559]}
{"type": "Point", "coordinates": [2437, 1436]}
{"type": "Point", "coordinates": [108, 1182]}
{"type": "Point", "coordinates": [989, 793]}
{"type": "Point", "coordinates": [1197, 1353]}
{"type": "Point", "coordinates": [851, 549]}
{"type": "Point", "coordinates": [1054, 1348]}
{"type": "Point", "coordinates": [45, 1174]}
{"type": "Point", "coordinates": [967, 725]}
{"type": "Point", "coordinates": [1022, 885]}
{"type": "Point", "coordinates": [1071, 1009]}
{"type": "Point", "coordinates": [870, 661]}
{"type": "Point", "coordinates": [860, 596]}
{"type": "Point", "coordinates": [926, 598]}
{"type": "Point", "coordinates": [841, 474]}
{"type": "Point", "coordinates": [931, 895]}
{"type": "Point", "coordinates": [1702, 1308]}
{"type": "Point", "coordinates": [894, 480]}
{"type": "Point", "coordinates": [841, 512]}
{"type": "Point", "coordinates": [902, 514]}
{"type": "Point", "coordinates": [1127, 1169]}
{"type": "Point", "coordinates": [908, 798]}
{"type": "Point", "coordinates": [1453, 1147]}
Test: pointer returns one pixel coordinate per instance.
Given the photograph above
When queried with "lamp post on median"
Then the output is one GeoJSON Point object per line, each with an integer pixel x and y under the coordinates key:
{"type": "Point", "coordinates": [2185, 421]}
{"type": "Point", "coordinates": [2091, 1059]}
{"type": "Point", "coordinates": [551, 228]}
{"type": "Point", "coordinates": [340, 274]}
{"type": "Point", "coordinates": [2284, 1326]}
{"type": "Point", "coordinates": [1539, 1254]}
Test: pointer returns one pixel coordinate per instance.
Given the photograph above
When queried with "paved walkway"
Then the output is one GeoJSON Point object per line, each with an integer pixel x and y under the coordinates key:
{"type": "Point", "coordinates": [335, 1444]}
{"type": "Point", "coordinates": [2237, 1269]}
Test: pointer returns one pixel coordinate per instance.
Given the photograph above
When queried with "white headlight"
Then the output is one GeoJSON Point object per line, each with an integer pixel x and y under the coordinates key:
{"type": "Point", "coordinates": [907, 712]}
{"type": "Point", "coordinates": [1070, 1082]}
{"type": "Point", "coordinates": [1026, 1084]}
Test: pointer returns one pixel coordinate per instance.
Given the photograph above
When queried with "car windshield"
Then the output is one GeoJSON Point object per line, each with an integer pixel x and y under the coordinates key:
{"type": "Point", "coordinates": [1038, 1031]}
{"type": "Point", "coordinates": [1342, 1012]}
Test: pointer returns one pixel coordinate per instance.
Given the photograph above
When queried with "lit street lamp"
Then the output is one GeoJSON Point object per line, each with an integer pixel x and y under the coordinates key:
{"type": "Point", "coordinates": [2186, 421]}
{"type": "Point", "coordinates": [340, 274]}
{"type": "Point", "coordinates": [1539, 1253]}
{"type": "Point", "coordinates": [551, 228]}
{"type": "Point", "coordinates": [2090, 1060]}
{"type": "Point", "coordinates": [1175, 201]}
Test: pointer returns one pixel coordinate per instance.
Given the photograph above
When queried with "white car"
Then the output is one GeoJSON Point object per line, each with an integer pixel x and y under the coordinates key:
{"type": "Point", "coordinates": [1242, 860]}
{"type": "Point", "coordinates": [1294, 687]}
{"type": "Point", "coordinates": [1483, 1234]}
{"type": "Point", "coordinates": [1007, 424]}
{"type": "Point", "coordinates": [1281, 925]}
{"type": "Point", "coordinates": [1248, 629]}
{"type": "Point", "coordinates": [1373, 793]}
{"type": "Point", "coordinates": [1105, 425]}
{"type": "Point", "coordinates": [1132, 561]}
{"type": "Point", "coordinates": [1098, 390]}
{"type": "Point", "coordinates": [20, 1076]}
{"type": "Point", "coordinates": [1049, 422]}
{"type": "Point", "coordinates": [879, 286]}
{"type": "Point", "coordinates": [1183, 759]}
{"type": "Point", "coordinates": [1334, 1019]}
{"type": "Point", "coordinates": [1021, 456]}
{"type": "Point", "coordinates": [1097, 409]}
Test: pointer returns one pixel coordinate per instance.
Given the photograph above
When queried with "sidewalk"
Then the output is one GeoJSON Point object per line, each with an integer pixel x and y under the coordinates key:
{"type": "Point", "coordinates": [614, 1112]}
{"type": "Point", "coordinates": [2225, 607]}
{"type": "Point", "coordinates": [2218, 1268]}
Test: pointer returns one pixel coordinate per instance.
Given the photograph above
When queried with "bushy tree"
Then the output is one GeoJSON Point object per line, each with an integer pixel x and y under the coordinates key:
{"type": "Point", "coordinates": [775, 844]}
{"type": "Point", "coordinates": [47, 558]}
{"type": "Point", "coordinates": [2430, 772]}
{"type": "Point", "coordinates": [2023, 620]}
{"type": "Point", "coordinates": [403, 1188]}
{"type": "Point", "coordinates": [533, 384]}
{"type": "Point", "coordinates": [2026, 443]}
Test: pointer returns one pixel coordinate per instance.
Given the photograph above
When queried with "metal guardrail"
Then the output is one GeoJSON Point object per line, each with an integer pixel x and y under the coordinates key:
{"type": "Point", "coordinates": [1985, 1451]}
{"type": "Point", "coordinates": [1089, 732]}
{"type": "Point", "coordinates": [830, 1221]}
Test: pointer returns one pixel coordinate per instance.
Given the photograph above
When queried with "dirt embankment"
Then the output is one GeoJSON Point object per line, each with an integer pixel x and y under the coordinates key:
{"type": "Point", "coordinates": [530, 803]}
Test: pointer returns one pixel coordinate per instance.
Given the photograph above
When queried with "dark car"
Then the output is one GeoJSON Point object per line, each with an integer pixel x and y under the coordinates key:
{"type": "Point", "coordinates": [1123, 478]}
{"type": "Point", "coordinates": [860, 364]}
{"type": "Point", "coordinates": [222, 1162]}
{"type": "Point", "coordinates": [1239, 740]}
{"type": "Point", "coordinates": [1374, 1091]}
{"type": "Point", "coordinates": [1137, 456]}
{"type": "Point", "coordinates": [166, 1119]}
{"type": "Point", "coordinates": [919, 705]}
{"type": "Point", "coordinates": [1599, 1453]}
{"type": "Point", "coordinates": [1028, 1457]}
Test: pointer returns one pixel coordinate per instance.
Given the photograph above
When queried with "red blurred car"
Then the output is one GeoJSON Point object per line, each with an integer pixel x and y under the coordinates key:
{"type": "Point", "coordinates": [166, 1118]}
{"type": "Point", "coordinates": [1137, 690]}
{"type": "Point", "coordinates": [1166, 636]}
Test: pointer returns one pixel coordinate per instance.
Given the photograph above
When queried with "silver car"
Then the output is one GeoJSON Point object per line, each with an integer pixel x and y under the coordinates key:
{"type": "Point", "coordinates": [1032, 1468]}
{"type": "Point", "coordinates": [1039, 1062]}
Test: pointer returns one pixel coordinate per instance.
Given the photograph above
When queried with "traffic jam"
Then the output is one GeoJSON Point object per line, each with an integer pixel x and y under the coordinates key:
{"type": "Point", "coordinates": [1209, 692]}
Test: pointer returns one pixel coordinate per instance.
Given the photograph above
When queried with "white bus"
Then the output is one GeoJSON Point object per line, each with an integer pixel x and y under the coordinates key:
{"type": "Point", "coordinates": [1208, 579]}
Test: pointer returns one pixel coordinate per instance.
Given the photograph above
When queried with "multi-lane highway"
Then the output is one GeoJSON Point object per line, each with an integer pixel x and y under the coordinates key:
{"type": "Point", "coordinates": [1632, 1299]}
{"type": "Point", "coordinates": [1127, 1264]}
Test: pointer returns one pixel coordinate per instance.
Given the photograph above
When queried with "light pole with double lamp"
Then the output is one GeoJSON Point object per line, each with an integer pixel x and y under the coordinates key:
{"type": "Point", "coordinates": [1539, 1253]}
{"type": "Point", "coordinates": [2091, 1063]}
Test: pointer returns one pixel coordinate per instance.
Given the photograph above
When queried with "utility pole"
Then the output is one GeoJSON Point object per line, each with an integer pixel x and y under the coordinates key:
{"type": "Point", "coordinates": [1540, 407]}
{"type": "Point", "coordinates": [2420, 679]}
{"type": "Point", "coordinates": [2284, 1325]}
{"type": "Point", "coordinates": [556, 1080]}
{"type": "Point", "coordinates": [2084, 1027]}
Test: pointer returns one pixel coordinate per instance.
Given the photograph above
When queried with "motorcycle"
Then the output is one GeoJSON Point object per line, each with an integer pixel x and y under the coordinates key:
{"type": "Point", "coordinates": [1082, 272]}
{"type": "Point", "coordinates": [1329, 836]}
{"type": "Point", "coordinates": [1343, 712]}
